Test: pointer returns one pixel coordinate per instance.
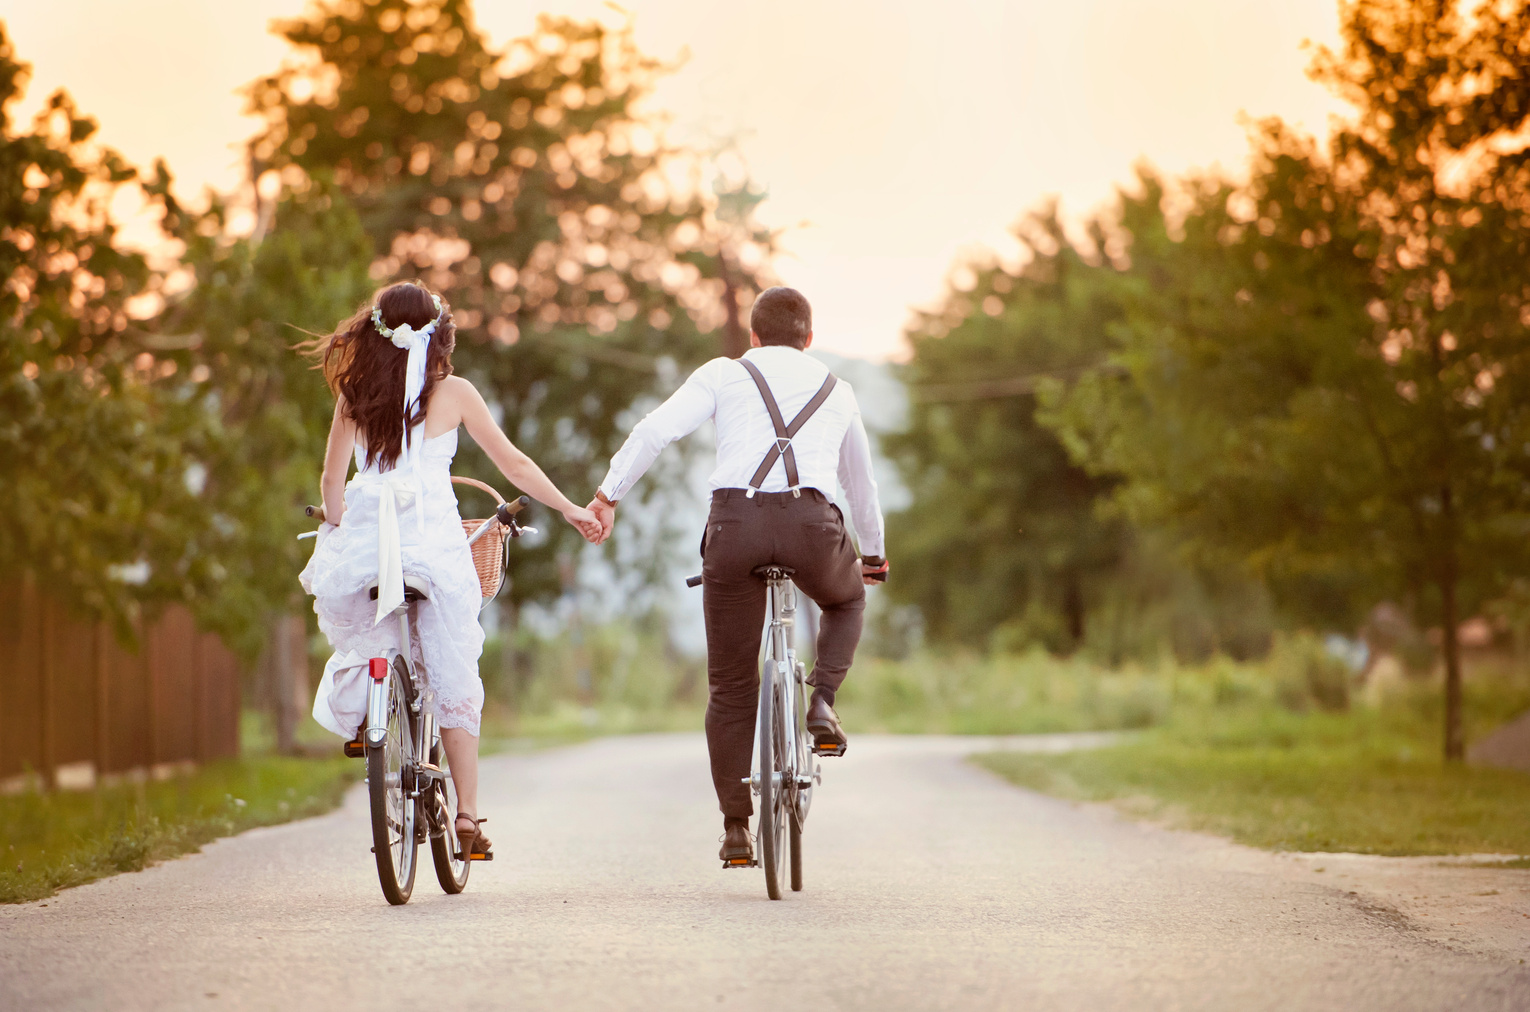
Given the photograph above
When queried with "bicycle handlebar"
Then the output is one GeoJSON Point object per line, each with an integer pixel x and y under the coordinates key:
{"type": "Point", "coordinates": [507, 510]}
{"type": "Point", "coordinates": [693, 581]}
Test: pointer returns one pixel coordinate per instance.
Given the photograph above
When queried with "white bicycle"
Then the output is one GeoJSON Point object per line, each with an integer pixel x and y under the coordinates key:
{"type": "Point", "coordinates": [785, 770]}
{"type": "Point", "coordinates": [409, 783]}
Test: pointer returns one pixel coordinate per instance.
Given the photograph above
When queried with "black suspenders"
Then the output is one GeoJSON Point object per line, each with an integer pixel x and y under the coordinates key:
{"type": "Point", "coordinates": [784, 432]}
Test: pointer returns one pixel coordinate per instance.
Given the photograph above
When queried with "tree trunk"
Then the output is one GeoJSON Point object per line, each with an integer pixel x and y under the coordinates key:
{"type": "Point", "coordinates": [289, 679]}
{"type": "Point", "coordinates": [735, 335]}
{"type": "Point", "coordinates": [1073, 611]}
{"type": "Point", "coordinates": [1455, 741]}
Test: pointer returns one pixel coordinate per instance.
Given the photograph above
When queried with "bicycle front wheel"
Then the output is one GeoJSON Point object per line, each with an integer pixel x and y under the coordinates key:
{"type": "Point", "coordinates": [394, 814]}
{"type": "Point", "coordinates": [775, 766]}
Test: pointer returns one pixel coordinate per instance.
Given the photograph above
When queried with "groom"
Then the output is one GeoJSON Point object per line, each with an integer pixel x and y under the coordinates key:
{"type": "Point", "coordinates": [786, 429]}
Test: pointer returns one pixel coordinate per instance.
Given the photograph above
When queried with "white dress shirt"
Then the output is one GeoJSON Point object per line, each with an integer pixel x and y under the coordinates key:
{"type": "Point", "coordinates": [832, 444]}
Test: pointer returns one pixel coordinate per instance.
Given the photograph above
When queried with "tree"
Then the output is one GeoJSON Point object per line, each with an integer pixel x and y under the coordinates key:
{"type": "Point", "coordinates": [1002, 529]}
{"type": "Point", "coordinates": [1325, 370]}
{"type": "Point", "coordinates": [93, 434]}
{"type": "Point", "coordinates": [525, 185]}
{"type": "Point", "coordinates": [233, 332]}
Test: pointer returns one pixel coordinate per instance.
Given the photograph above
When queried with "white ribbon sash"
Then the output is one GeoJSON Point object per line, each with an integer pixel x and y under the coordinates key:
{"type": "Point", "coordinates": [395, 491]}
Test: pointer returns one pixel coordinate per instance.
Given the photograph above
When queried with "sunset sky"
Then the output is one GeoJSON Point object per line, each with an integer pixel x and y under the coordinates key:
{"type": "Point", "coordinates": [894, 136]}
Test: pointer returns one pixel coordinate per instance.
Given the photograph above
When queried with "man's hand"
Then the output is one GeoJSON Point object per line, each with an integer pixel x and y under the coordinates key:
{"type": "Point", "coordinates": [606, 514]}
{"type": "Point", "coordinates": [874, 570]}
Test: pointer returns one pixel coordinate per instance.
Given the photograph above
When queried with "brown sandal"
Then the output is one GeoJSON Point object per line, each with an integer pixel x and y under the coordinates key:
{"type": "Point", "coordinates": [474, 845]}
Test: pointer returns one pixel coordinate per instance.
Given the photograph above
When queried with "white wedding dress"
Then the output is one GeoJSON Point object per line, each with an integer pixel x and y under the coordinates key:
{"type": "Point", "coordinates": [447, 637]}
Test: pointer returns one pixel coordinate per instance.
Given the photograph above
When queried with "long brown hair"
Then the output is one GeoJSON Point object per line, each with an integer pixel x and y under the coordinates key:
{"type": "Point", "coordinates": [365, 367]}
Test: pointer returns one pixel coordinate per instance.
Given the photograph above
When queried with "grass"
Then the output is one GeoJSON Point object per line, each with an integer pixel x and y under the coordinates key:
{"type": "Point", "coordinates": [1368, 780]}
{"type": "Point", "coordinates": [50, 841]}
{"type": "Point", "coordinates": [1030, 693]}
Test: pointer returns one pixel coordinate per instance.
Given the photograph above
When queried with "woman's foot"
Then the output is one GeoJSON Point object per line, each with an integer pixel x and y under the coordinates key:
{"type": "Point", "coordinates": [470, 837]}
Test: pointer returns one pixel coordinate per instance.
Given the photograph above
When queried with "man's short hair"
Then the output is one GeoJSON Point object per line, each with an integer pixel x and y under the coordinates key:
{"type": "Point", "coordinates": [782, 316]}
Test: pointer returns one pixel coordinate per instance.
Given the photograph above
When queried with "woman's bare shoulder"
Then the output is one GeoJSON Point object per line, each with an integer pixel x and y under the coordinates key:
{"type": "Point", "coordinates": [450, 401]}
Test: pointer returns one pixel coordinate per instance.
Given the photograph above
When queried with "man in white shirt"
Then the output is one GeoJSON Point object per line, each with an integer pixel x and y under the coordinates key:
{"type": "Point", "coordinates": [786, 428]}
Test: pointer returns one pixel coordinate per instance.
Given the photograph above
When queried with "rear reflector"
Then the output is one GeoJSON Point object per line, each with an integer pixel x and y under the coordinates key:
{"type": "Point", "coordinates": [379, 669]}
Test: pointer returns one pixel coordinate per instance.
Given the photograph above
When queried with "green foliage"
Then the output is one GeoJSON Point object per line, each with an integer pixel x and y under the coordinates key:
{"type": "Point", "coordinates": [1307, 675]}
{"type": "Point", "coordinates": [95, 435]}
{"type": "Point", "coordinates": [1032, 693]}
{"type": "Point", "coordinates": [1321, 377]}
{"type": "Point", "coordinates": [1002, 533]}
{"type": "Point", "coordinates": [617, 677]}
{"type": "Point", "coordinates": [524, 185]}
{"type": "Point", "coordinates": [57, 840]}
{"type": "Point", "coordinates": [250, 300]}
{"type": "Point", "coordinates": [1005, 542]}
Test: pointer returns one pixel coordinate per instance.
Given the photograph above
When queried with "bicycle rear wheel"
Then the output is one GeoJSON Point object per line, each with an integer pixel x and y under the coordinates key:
{"type": "Point", "coordinates": [394, 814]}
{"type": "Point", "coordinates": [775, 795]}
{"type": "Point", "coordinates": [451, 869]}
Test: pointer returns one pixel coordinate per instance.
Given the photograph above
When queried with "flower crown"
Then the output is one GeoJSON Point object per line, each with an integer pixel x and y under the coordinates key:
{"type": "Point", "coordinates": [403, 335]}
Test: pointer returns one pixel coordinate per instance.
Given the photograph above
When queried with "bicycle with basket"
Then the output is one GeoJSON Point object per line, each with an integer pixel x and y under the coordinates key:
{"type": "Point", "coordinates": [409, 784]}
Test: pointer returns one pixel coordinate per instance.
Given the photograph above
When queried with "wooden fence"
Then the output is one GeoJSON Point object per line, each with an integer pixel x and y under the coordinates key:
{"type": "Point", "coordinates": [74, 703]}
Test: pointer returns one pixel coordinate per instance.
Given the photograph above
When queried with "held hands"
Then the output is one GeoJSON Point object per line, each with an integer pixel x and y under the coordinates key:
{"type": "Point", "coordinates": [605, 514]}
{"type": "Point", "coordinates": [586, 523]}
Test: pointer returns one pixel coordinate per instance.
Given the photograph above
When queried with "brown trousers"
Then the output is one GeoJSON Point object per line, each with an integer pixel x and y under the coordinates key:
{"type": "Point", "coordinates": [806, 534]}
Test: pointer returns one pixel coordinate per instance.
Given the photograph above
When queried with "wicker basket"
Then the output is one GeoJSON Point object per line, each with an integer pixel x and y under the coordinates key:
{"type": "Point", "coordinates": [489, 550]}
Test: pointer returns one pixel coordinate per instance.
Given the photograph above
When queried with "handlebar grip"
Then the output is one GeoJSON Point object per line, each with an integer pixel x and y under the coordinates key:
{"type": "Point", "coordinates": [693, 581]}
{"type": "Point", "coordinates": [507, 510]}
{"type": "Point", "coordinates": [878, 577]}
{"type": "Point", "coordinates": [317, 512]}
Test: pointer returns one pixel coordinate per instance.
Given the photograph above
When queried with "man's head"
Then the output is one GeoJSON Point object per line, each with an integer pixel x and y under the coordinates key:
{"type": "Point", "coordinates": [781, 316]}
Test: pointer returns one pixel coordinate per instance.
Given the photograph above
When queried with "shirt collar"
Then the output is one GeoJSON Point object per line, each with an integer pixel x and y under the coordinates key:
{"type": "Point", "coordinates": [769, 350]}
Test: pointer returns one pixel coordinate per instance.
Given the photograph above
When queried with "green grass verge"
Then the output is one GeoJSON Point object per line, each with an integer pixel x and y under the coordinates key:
{"type": "Point", "coordinates": [1367, 782]}
{"type": "Point", "coordinates": [59, 839]}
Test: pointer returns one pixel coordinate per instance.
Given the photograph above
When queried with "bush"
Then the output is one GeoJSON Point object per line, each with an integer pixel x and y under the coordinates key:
{"type": "Point", "coordinates": [1307, 675]}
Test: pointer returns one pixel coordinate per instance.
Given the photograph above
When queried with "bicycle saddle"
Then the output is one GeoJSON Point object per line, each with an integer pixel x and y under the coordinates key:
{"type": "Point", "coordinates": [773, 572]}
{"type": "Point", "coordinates": [414, 589]}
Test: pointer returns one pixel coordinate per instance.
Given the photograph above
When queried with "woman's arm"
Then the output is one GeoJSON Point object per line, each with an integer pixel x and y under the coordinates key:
{"type": "Point", "coordinates": [520, 469]}
{"type": "Point", "coordinates": [337, 462]}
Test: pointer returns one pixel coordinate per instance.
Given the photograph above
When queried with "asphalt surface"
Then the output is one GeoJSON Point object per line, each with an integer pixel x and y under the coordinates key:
{"type": "Point", "coordinates": [930, 883]}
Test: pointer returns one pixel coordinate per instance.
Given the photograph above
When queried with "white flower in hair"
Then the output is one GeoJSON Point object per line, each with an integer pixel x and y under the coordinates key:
{"type": "Point", "coordinates": [403, 335]}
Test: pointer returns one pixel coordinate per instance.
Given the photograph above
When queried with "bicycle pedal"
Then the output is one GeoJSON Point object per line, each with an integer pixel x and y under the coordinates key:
{"type": "Point", "coordinates": [355, 749]}
{"type": "Point", "coordinates": [740, 862]}
{"type": "Point", "coordinates": [481, 857]}
{"type": "Point", "coordinates": [830, 749]}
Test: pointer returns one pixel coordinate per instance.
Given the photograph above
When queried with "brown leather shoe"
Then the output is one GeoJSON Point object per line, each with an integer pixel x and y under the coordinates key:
{"type": "Point", "coordinates": [823, 725]}
{"type": "Point", "coordinates": [738, 845]}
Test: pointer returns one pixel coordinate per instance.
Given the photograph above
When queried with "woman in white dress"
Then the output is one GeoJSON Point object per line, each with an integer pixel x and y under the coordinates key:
{"type": "Point", "coordinates": [397, 411]}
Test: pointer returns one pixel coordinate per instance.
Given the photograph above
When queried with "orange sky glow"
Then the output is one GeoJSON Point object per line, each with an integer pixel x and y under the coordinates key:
{"type": "Point", "coordinates": [894, 136]}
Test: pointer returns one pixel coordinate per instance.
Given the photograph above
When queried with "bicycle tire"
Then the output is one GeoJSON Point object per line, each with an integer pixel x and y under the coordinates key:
{"type": "Point", "coordinates": [794, 834]}
{"type": "Point", "coordinates": [451, 871]}
{"type": "Point", "coordinates": [396, 859]}
{"type": "Point", "coordinates": [772, 809]}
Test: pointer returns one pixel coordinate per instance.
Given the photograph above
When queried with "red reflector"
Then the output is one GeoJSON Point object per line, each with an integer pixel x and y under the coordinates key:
{"type": "Point", "coordinates": [379, 669]}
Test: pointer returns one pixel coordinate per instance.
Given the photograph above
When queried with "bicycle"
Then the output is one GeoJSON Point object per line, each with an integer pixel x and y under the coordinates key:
{"type": "Point", "coordinates": [409, 786]}
{"type": "Point", "coordinates": [784, 771]}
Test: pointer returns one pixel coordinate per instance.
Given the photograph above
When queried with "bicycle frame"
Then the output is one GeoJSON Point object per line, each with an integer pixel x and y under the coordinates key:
{"type": "Point", "coordinates": [788, 676]}
{"type": "Point", "coordinates": [420, 732]}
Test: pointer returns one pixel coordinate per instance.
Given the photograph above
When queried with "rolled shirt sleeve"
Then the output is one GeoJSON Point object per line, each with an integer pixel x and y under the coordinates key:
{"type": "Point", "coordinates": [680, 415]}
{"type": "Point", "coordinates": [860, 485]}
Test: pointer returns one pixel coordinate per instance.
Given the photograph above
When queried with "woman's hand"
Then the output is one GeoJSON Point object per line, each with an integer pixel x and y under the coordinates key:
{"type": "Point", "coordinates": [585, 522]}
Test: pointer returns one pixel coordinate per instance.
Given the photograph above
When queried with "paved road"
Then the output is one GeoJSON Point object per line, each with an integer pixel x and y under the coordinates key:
{"type": "Point", "coordinates": [930, 885]}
